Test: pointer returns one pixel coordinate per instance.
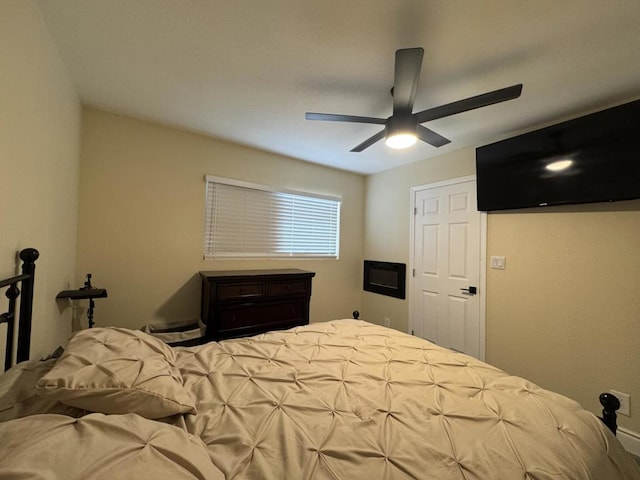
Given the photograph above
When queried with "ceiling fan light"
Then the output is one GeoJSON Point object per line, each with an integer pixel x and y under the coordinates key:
{"type": "Point", "coordinates": [401, 140]}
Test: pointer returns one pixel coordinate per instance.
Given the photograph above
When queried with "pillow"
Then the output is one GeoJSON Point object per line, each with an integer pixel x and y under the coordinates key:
{"type": "Point", "coordinates": [101, 447]}
{"type": "Point", "coordinates": [116, 370]}
{"type": "Point", "coordinates": [18, 397]}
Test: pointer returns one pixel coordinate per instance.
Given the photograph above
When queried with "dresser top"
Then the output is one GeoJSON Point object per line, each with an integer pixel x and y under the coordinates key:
{"type": "Point", "coordinates": [255, 273]}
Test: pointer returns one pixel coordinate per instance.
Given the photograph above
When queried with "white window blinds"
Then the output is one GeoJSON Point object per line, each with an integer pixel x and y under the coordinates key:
{"type": "Point", "coordinates": [247, 220]}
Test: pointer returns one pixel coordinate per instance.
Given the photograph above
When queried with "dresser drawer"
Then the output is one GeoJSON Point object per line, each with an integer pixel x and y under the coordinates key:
{"type": "Point", "coordinates": [230, 291]}
{"type": "Point", "coordinates": [287, 287]}
{"type": "Point", "coordinates": [251, 317]}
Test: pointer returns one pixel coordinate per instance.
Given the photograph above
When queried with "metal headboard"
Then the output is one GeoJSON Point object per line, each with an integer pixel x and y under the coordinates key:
{"type": "Point", "coordinates": [26, 282]}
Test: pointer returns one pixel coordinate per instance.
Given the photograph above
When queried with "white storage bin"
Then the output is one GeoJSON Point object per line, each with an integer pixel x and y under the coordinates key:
{"type": "Point", "coordinates": [180, 333]}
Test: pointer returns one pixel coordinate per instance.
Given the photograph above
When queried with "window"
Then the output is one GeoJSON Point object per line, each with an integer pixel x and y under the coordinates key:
{"type": "Point", "coordinates": [248, 220]}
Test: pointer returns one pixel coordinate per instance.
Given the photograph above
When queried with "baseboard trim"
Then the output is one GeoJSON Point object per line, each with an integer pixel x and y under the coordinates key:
{"type": "Point", "coordinates": [630, 440]}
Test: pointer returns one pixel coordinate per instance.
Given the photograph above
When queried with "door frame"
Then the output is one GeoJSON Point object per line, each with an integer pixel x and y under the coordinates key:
{"type": "Point", "coordinates": [482, 289]}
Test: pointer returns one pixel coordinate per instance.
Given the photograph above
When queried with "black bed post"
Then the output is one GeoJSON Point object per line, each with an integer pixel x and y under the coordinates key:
{"type": "Point", "coordinates": [12, 293]}
{"type": "Point", "coordinates": [28, 257]}
{"type": "Point", "coordinates": [610, 404]}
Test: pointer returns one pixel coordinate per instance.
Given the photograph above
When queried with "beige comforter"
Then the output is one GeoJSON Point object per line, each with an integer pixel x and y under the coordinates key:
{"type": "Point", "coordinates": [351, 400]}
{"type": "Point", "coordinates": [339, 400]}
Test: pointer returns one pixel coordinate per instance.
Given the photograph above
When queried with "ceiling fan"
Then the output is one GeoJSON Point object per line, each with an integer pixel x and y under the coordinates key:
{"type": "Point", "coordinates": [403, 127]}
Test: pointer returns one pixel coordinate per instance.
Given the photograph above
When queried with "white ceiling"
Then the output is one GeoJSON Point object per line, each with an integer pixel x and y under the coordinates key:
{"type": "Point", "coordinates": [248, 70]}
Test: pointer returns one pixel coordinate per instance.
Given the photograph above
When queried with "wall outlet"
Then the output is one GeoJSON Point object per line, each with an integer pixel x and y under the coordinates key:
{"type": "Point", "coordinates": [387, 322]}
{"type": "Point", "coordinates": [625, 402]}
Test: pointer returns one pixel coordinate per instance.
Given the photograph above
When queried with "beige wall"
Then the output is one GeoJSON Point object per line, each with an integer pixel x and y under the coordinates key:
{"type": "Point", "coordinates": [387, 222]}
{"type": "Point", "coordinates": [142, 213]}
{"type": "Point", "coordinates": [39, 159]}
{"type": "Point", "coordinates": [565, 311]}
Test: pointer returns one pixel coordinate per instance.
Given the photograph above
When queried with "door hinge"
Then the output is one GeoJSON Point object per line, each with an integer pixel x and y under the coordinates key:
{"type": "Point", "coordinates": [413, 273]}
{"type": "Point", "coordinates": [415, 210]}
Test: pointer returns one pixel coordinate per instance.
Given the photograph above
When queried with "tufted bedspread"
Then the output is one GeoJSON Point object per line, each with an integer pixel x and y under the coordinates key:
{"type": "Point", "coordinates": [342, 400]}
{"type": "Point", "coordinates": [351, 400]}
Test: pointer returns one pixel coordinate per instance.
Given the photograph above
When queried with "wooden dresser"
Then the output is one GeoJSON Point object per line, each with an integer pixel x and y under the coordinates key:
{"type": "Point", "coordinates": [238, 303]}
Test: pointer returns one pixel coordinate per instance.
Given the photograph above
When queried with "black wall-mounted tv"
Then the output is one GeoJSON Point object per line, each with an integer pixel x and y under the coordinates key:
{"type": "Point", "coordinates": [604, 151]}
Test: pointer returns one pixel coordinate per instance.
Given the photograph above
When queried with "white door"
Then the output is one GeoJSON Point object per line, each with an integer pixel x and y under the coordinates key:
{"type": "Point", "coordinates": [447, 283]}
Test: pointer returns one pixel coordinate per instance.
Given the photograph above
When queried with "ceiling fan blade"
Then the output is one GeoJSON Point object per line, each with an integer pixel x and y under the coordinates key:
{"type": "Point", "coordinates": [369, 141]}
{"type": "Point", "coordinates": [471, 103]}
{"type": "Point", "coordinates": [405, 83]}
{"type": "Point", "coordinates": [431, 137]}
{"type": "Point", "coordinates": [331, 117]}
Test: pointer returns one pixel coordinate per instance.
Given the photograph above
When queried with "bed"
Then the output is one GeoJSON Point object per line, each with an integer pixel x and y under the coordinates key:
{"type": "Point", "coordinates": [343, 399]}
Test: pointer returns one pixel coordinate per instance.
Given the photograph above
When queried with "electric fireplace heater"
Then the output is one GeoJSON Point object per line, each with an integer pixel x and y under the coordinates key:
{"type": "Point", "coordinates": [385, 278]}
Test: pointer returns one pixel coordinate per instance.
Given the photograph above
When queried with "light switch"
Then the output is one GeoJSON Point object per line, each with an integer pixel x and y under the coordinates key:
{"type": "Point", "coordinates": [498, 262]}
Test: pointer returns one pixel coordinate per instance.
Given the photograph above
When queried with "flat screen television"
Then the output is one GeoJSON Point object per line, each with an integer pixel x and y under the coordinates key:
{"type": "Point", "coordinates": [600, 154]}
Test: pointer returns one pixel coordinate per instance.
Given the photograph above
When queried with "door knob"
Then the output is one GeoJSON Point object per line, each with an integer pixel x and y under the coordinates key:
{"type": "Point", "coordinates": [469, 291]}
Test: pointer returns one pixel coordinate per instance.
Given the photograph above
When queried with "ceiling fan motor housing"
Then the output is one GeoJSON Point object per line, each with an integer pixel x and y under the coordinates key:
{"type": "Point", "coordinates": [400, 124]}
